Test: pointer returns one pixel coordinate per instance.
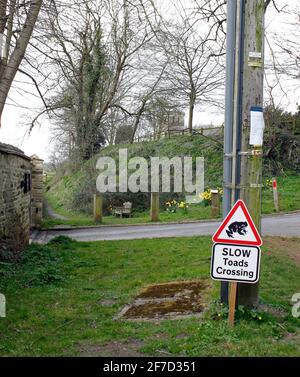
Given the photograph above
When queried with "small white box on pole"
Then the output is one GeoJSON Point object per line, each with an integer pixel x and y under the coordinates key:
{"type": "Point", "coordinates": [257, 126]}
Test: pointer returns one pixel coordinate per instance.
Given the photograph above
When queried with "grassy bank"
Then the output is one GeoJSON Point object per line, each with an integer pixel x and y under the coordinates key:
{"type": "Point", "coordinates": [62, 299]}
{"type": "Point", "coordinates": [289, 195]}
{"type": "Point", "coordinates": [195, 212]}
{"type": "Point", "coordinates": [70, 192]}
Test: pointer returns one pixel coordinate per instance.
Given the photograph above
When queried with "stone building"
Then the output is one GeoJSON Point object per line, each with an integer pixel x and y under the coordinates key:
{"type": "Point", "coordinates": [19, 209]}
{"type": "Point", "coordinates": [171, 122]}
{"type": "Point", "coordinates": [174, 121]}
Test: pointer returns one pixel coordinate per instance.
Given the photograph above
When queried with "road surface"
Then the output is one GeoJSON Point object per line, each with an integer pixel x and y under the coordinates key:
{"type": "Point", "coordinates": [287, 225]}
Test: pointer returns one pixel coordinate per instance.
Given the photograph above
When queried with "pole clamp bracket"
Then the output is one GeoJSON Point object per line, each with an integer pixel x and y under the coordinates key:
{"type": "Point", "coordinates": [256, 152]}
{"type": "Point", "coordinates": [253, 152]}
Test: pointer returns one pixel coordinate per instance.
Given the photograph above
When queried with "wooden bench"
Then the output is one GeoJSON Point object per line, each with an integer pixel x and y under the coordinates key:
{"type": "Point", "coordinates": [123, 210]}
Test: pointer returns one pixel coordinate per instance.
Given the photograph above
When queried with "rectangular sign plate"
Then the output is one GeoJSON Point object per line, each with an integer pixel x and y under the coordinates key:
{"type": "Point", "coordinates": [257, 125]}
{"type": "Point", "coordinates": [238, 263]}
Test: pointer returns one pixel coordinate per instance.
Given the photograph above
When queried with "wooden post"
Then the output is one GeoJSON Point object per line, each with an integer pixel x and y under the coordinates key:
{"type": "Point", "coordinates": [232, 303]}
{"type": "Point", "coordinates": [215, 203]}
{"type": "Point", "coordinates": [275, 194]}
{"type": "Point", "coordinates": [251, 159]}
{"type": "Point", "coordinates": [154, 213]}
{"type": "Point", "coordinates": [98, 202]}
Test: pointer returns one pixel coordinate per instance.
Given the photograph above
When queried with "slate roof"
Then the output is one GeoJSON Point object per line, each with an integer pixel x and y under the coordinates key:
{"type": "Point", "coordinates": [10, 149]}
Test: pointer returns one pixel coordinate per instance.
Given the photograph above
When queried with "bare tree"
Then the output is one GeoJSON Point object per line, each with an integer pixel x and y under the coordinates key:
{"type": "Point", "coordinates": [194, 72]}
{"type": "Point", "coordinates": [88, 52]}
{"type": "Point", "coordinates": [288, 44]}
{"type": "Point", "coordinates": [17, 21]}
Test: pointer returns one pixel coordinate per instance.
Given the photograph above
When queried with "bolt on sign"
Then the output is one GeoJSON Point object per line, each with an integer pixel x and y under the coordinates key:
{"type": "Point", "coordinates": [236, 252]}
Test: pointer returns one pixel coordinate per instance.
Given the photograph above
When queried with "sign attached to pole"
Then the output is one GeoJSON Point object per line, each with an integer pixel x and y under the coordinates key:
{"type": "Point", "coordinates": [238, 228]}
{"type": "Point", "coordinates": [236, 252]}
{"type": "Point", "coordinates": [235, 263]}
{"type": "Point", "coordinates": [257, 125]}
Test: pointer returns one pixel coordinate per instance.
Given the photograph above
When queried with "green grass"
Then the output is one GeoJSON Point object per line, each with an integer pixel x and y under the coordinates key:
{"type": "Point", "coordinates": [289, 196]}
{"type": "Point", "coordinates": [195, 212]}
{"type": "Point", "coordinates": [54, 300]}
{"type": "Point", "coordinates": [70, 191]}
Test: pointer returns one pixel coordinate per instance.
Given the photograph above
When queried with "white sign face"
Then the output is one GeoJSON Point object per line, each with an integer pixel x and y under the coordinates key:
{"type": "Point", "coordinates": [235, 263]}
{"type": "Point", "coordinates": [257, 125]}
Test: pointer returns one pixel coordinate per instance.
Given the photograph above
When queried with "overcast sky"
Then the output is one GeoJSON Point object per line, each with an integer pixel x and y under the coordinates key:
{"type": "Point", "coordinates": [15, 118]}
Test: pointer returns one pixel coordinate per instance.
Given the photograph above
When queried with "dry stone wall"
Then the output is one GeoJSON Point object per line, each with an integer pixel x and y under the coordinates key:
{"type": "Point", "coordinates": [21, 199]}
{"type": "Point", "coordinates": [36, 191]}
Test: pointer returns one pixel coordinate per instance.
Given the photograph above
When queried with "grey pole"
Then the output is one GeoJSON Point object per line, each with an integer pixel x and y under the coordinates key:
{"type": "Point", "coordinates": [240, 97]}
{"type": "Point", "coordinates": [229, 103]}
{"type": "Point", "coordinates": [237, 108]}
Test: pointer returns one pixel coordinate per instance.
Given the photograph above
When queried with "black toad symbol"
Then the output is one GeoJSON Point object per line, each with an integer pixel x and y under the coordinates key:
{"type": "Point", "coordinates": [237, 227]}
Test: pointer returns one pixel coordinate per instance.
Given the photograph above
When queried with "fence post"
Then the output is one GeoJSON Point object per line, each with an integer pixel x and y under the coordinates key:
{"type": "Point", "coordinates": [154, 212]}
{"type": "Point", "coordinates": [98, 202]}
{"type": "Point", "coordinates": [215, 203]}
{"type": "Point", "coordinates": [275, 194]}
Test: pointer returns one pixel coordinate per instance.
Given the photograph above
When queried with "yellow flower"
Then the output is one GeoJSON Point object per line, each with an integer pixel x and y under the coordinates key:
{"type": "Point", "coordinates": [182, 205]}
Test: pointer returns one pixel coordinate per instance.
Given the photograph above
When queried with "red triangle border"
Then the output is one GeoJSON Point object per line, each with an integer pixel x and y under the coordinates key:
{"type": "Point", "coordinates": [239, 203]}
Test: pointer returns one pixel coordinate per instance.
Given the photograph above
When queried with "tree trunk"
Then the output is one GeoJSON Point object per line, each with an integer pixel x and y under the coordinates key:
{"type": "Point", "coordinates": [191, 112]}
{"type": "Point", "coordinates": [9, 70]}
{"type": "Point", "coordinates": [137, 119]}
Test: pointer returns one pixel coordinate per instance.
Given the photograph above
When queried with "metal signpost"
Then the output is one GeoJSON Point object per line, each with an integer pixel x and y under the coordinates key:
{"type": "Point", "coordinates": [244, 122]}
{"type": "Point", "coordinates": [236, 252]}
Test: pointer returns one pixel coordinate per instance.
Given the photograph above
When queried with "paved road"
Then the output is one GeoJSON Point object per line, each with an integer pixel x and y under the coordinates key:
{"type": "Point", "coordinates": [277, 225]}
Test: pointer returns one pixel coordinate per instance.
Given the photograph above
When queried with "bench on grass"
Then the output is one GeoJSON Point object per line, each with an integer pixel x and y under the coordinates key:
{"type": "Point", "coordinates": [124, 210]}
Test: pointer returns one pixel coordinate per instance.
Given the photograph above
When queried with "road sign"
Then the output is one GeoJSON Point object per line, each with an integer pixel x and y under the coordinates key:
{"type": "Point", "coordinates": [237, 263]}
{"type": "Point", "coordinates": [238, 228]}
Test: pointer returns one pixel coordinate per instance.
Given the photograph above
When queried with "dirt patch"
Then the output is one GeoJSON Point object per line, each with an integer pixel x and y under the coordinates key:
{"type": "Point", "coordinates": [107, 302]}
{"type": "Point", "coordinates": [276, 312]}
{"type": "Point", "coordinates": [114, 348]}
{"type": "Point", "coordinates": [182, 336]}
{"type": "Point", "coordinates": [174, 289]}
{"type": "Point", "coordinates": [292, 338]}
{"type": "Point", "coordinates": [171, 307]}
{"type": "Point", "coordinates": [168, 300]}
{"type": "Point", "coordinates": [285, 246]}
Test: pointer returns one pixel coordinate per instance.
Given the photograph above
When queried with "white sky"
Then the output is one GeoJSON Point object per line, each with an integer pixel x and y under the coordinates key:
{"type": "Point", "coordinates": [15, 126]}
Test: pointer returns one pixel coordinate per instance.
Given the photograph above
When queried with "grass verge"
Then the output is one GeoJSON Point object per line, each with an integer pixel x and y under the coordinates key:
{"type": "Point", "coordinates": [62, 299]}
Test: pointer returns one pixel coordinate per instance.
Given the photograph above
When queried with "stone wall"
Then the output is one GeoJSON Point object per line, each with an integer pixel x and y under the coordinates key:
{"type": "Point", "coordinates": [15, 197]}
{"type": "Point", "coordinates": [36, 191]}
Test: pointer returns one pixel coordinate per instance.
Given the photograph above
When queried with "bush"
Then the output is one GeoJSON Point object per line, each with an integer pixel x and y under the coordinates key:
{"type": "Point", "coordinates": [39, 265]}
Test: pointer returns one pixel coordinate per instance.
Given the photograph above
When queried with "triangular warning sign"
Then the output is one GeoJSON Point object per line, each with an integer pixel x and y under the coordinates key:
{"type": "Point", "coordinates": [238, 228]}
